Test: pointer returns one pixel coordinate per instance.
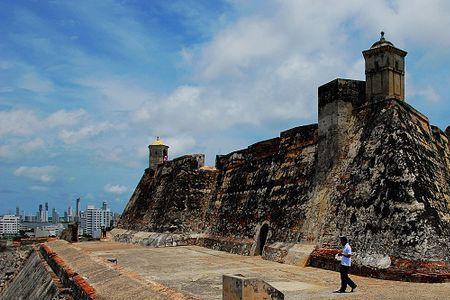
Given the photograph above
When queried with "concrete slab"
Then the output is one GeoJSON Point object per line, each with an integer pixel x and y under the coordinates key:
{"type": "Point", "coordinates": [196, 273]}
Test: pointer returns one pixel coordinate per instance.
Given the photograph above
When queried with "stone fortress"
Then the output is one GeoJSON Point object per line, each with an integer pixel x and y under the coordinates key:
{"type": "Point", "coordinates": [373, 168]}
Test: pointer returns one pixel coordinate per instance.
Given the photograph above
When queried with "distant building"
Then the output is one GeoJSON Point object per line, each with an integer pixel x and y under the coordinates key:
{"type": "Point", "coordinates": [69, 214]}
{"type": "Point", "coordinates": [77, 210]}
{"type": "Point", "coordinates": [94, 219]}
{"type": "Point", "coordinates": [30, 218]}
{"type": "Point", "coordinates": [46, 212]}
{"type": "Point", "coordinates": [9, 225]}
{"type": "Point", "coordinates": [55, 216]}
{"type": "Point", "coordinates": [50, 230]}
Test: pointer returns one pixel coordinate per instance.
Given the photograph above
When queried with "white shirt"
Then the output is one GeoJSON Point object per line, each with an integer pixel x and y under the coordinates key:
{"type": "Point", "coordinates": [346, 261]}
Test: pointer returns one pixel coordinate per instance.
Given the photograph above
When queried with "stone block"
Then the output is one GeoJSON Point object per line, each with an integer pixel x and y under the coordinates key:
{"type": "Point", "coordinates": [238, 287]}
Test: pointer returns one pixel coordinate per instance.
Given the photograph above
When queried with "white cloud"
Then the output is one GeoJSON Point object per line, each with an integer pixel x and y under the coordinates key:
{"type": "Point", "coordinates": [430, 95]}
{"type": "Point", "coordinates": [115, 189]}
{"type": "Point", "coordinates": [18, 122]}
{"type": "Point", "coordinates": [72, 137]}
{"type": "Point", "coordinates": [17, 149]}
{"type": "Point", "coordinates": [44, 174]}
{"type": "Point", "coordinates": [39, 188]}
{"type": "Point", "coordinates": [35, 83]}
{"type": "Point", "coordinates": [65, 118]}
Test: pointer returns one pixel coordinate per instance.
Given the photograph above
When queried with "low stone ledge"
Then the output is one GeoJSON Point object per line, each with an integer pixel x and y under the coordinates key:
{"type": "Point", "coordinates": [231, 245]}
{"type": "Point", "coordinates": [399, 269]}
{"type": "Point", "coordinates": [153, 239]}
{"type": "Point", "coordinates": [247, 288]}
{"type": "Point", "coordinates": [81, 289]}
{"type": "Point", "coordinates": [157, 239]}
{"type": "Point", "coordinates": [288, 253]}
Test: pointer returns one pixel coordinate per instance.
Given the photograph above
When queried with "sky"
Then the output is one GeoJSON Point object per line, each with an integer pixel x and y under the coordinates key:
{"type": "Point", "coordinates": [85, 86]}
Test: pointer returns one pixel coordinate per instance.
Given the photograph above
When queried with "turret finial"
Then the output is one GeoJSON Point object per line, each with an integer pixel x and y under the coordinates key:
{"type": "Point", "coordinates": [382, 36]}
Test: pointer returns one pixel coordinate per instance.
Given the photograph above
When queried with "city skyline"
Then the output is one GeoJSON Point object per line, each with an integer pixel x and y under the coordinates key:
{"type": "Point", "coordinates": [24, 213]}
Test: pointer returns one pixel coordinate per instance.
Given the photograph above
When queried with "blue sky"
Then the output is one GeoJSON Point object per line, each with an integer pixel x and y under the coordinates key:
{"type": "Point", "coordinates": [85, 86]}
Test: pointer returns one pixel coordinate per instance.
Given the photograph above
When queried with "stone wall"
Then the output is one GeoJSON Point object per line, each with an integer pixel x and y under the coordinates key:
{"type": "Point", "coordinates": [174, 199]}
{"type": "Point", "coordinates": [377, 172]}
{"type": "Point", "coordinates": [267, 182]}
{"type": "Point", "coordinates": [393, 193]}
{"type": "Point", "coordinates": [34, 281]}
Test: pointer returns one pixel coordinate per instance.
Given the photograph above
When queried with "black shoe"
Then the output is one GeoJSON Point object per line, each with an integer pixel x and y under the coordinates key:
{"type": "Point", "coordinates": [339, 291]}
{"type": "Point", "coordinates": [353, 288]}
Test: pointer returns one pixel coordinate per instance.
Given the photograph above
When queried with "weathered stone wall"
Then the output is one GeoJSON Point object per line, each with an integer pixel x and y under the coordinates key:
{"type": "Point", "coordinates": [34, 281]}
{"type": "Point", "coordinates": [267, 182]}
{"type": "Point", "coordinates": [12, 259]}
{"type": "Point", "coordinates": [376, 172]}
{"type": "Point", "coordinates": [393, 194]}
{"type": "Point", "coordinates": [173, 199]}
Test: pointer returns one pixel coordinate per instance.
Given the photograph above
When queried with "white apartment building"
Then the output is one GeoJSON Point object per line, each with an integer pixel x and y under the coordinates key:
{"type": "Point", "coordinates": [9, 224]}
{"type": "Point", "coordinates": [94, 219]}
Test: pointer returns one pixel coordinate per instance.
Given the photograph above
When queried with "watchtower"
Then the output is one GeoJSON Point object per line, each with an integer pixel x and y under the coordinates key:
{"type": "Point", "coordinates": [158, 153]}
{"type": "Point", "coordinates": [385, 71]}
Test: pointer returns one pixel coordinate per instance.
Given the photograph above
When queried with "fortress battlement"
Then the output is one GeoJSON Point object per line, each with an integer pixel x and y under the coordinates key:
{"type": "Point", "coordinates": [372, 168]}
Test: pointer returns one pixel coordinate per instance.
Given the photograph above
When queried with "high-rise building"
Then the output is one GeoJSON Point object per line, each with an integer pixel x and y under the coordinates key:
{"type": "Point", "coordinates": [17, 211]}
{"type": "Point", "coordinates": [41, 214]}
{"type": "Point", "coordinates": [69, 214]}
{"type": "Point", "coordinates": [46, 212]}
{"type": "Point", "coordinates": [94, 219]}
{"type": "Point", "coordinates": [9, 225]}
{"type": "Point", "coordinates": [104, 205]}
{"type": "Point", "coordinates": [77, 211]}
{"type": "Point", "coordinates": [55, 216]}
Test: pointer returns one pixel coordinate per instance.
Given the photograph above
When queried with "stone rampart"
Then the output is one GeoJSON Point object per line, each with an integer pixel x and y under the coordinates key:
{"type": "Point", "coordinates": [80, 288]}
{"type": "Point", "coordinates": [376, 172]}
{"type": "Point", "coordinates": [35, 281]}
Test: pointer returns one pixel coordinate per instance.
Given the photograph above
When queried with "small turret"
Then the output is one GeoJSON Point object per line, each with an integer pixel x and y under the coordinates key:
{"type": "Point", "coordinates": [385, 71]}
{"type": "Point", "coordinates": [158, 153]}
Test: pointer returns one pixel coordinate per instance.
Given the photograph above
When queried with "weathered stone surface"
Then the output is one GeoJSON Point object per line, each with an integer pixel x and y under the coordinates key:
{"type": "Point", "coordinates": [374, 170]}
{"type": "Point", "coordinates": [12, 260]}
{"type": "Point", "coordinates": [33, 282]}
{"type": "Point", "coordinates": [172, 200]}
{"type": "Point", "coordinates": [238, 287]}
{"type": "Point", "coordinates": [154, 239]}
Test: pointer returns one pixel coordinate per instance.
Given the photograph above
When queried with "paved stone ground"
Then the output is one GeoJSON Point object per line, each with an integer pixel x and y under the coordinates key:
{"type": "Point", "coordinates": [193, 272]}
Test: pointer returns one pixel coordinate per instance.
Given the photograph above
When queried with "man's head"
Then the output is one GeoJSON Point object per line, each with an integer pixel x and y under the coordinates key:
{"type": "Point", "coordinates": [344, 240]}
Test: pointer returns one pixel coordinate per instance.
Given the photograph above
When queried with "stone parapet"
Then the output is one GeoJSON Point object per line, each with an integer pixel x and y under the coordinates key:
{"type": "Point", "coordinates": [395, 269]}
{"type": "Point", "coordinates": [80, 288]}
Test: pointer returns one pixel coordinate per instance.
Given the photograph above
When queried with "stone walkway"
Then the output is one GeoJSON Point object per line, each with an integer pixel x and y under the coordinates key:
{"type": "Point", "coordinates": [192, 272]}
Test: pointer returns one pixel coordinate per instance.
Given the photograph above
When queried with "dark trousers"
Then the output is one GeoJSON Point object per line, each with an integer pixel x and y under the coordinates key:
{"type": "Point", "coordinates": [345, 279]}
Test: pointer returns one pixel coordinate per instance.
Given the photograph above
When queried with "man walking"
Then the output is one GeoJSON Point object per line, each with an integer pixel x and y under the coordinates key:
{"type": "Point", "coordinates": [346, 262]}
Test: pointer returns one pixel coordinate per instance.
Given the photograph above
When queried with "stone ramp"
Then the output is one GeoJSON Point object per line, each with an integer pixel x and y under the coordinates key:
{"type": "Point", "coordinates": [111, 281]}
{"type": "Point", "coordinates": [34, 282]}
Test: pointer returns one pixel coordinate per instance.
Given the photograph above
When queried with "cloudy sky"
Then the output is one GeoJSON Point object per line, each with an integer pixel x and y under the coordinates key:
{"type": "Point", "coordinates": [85, 86]}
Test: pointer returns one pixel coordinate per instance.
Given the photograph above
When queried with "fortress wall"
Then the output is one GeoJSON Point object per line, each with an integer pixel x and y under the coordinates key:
{"type": "Point", "coordinates": [337, 99]}
{"type": "Point", "coordinates": [395, 196]}
{"type": "Point", "coordinates": [263, 188]}
{"type": "Point", "coordinates": [387, 188]}
{"type": "Point", "coordinates": [174, 199]}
